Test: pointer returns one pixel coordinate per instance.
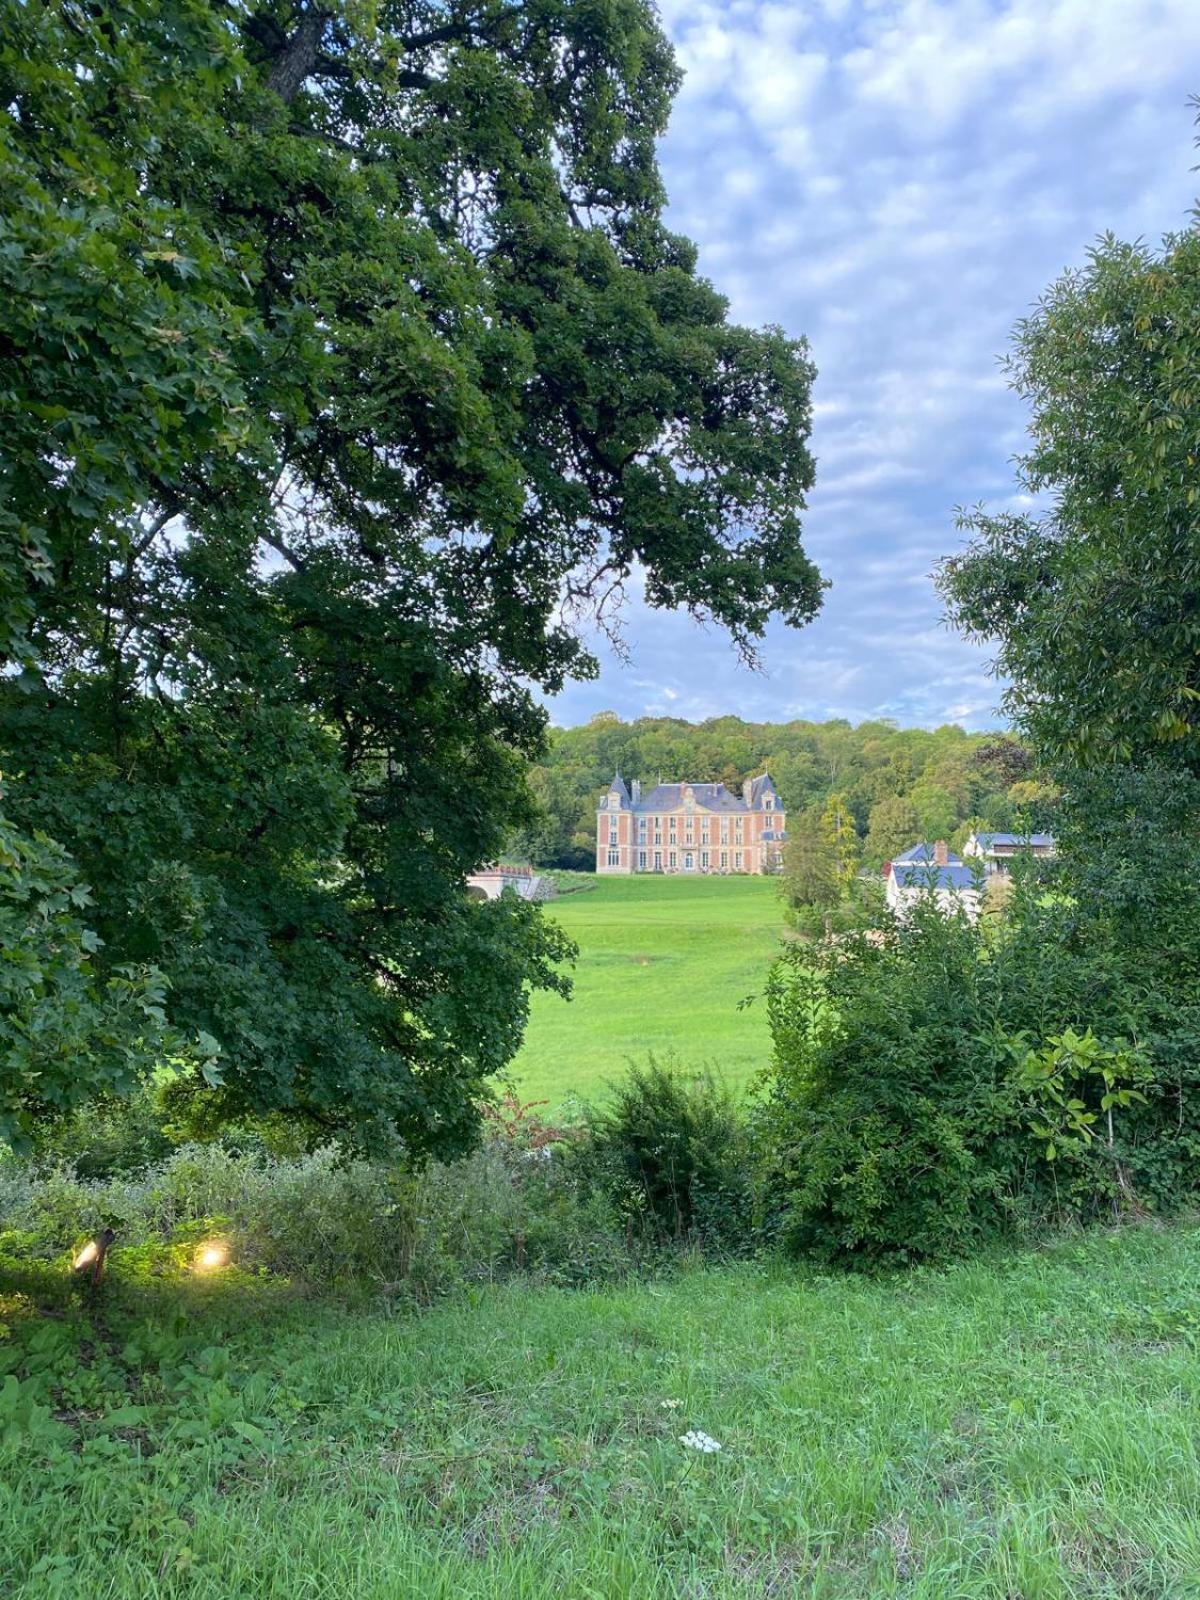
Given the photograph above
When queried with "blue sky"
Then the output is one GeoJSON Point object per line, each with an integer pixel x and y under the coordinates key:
{"type": "Point", "coordinates": [899, 180]}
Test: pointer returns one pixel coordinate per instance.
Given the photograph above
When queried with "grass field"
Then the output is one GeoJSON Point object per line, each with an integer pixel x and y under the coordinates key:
{"type": "Point", "coordinates": [1015, 1429]}
{"type": "Point", "coordinates": [663, 963]}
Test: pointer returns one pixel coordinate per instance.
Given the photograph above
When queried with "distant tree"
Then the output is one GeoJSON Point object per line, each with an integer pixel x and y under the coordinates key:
{"type": "Point", "coordinates": [1005, 761]}
{"type": "Point", "coordinates": [809, 876]}
{"type": "Point", "coordinates": [894, 826]}
{"type": "Point", "coordinates": [936, 810]}
{"type": "Point", "coordinates": [841, 839]}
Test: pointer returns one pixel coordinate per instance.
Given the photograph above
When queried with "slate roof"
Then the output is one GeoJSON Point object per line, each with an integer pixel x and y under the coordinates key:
{"type": "Point", "coordinates": [617, 786]}
{"type": "Point", "coordinates": [926, 874]}
{"type": "Point", "coordinates": [708, 796]}
{"type": "Point", "coordinates": [924, 852]}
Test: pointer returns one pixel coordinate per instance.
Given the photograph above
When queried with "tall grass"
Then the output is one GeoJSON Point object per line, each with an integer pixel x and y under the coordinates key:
{"type": "Point", "coordinates": [1014, 1427]}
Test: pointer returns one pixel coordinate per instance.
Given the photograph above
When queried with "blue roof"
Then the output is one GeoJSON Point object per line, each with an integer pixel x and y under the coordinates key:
{"type": "Point", "coordinates": [924, 852]}
{"type": "Point", "coordinates": [926, 875]}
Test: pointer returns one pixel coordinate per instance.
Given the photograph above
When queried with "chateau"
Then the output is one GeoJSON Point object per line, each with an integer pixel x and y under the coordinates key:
{"type": "Point", "coordinates": [689, 827]}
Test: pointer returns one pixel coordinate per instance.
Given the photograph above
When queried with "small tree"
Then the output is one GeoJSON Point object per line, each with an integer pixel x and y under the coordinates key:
{"type": "Point", "coordinates": [841, 839]}
{"type": "Point", "coordinates": [810, 872]}
{"type": "Point", "coordinates": [894, 825]}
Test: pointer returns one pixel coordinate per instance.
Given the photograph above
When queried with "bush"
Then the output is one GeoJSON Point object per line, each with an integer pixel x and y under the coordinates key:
{"type": "Point", "coordinates": [863, 907]}
{"type": "Point", "coordinates": [670, 1151]}
{"type": "Point", "coordinates": [330, 1222]}
{"type": "Point", "coordinates": [882, 1106]}
{"type": "Point", "coordinates": [110, 1138]}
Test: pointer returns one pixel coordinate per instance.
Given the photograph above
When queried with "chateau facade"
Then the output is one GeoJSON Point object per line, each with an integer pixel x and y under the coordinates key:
{"type": "Point", "coordinates": [689, 827]}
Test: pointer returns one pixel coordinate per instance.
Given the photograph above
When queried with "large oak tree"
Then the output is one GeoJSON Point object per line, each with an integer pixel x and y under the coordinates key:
{"type": "Point", "coordinates": [347, 365]}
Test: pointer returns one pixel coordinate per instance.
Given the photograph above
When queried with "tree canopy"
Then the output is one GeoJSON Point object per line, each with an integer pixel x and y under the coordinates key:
{"type": "Point", "coordinates": [1093, 600]}
{"type": "Point", "coordinates": [347, 363]}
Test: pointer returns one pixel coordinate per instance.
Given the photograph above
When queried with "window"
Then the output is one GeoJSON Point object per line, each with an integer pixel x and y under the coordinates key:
{"type": "Point", "coordinates": [658, 861]}
{"type": "Point", "coordinates": [704, 861]}
{"type": "Point", "coordinates": [641, 861]}
{"type": "Point", "coordinates": [724, 830]}
{"type": "Point", "coordinates": [724, 860]}
{"type": "Point", "coordinates": [689, 862]}
{"type": "Point", "coordinates": [739, 861]}
{"type": "Point", "coordinates": [614, 858]}
{"type": "Point", "coordinates": [674, 858]}
{"type": "Point", "coordinates": [612, 830]}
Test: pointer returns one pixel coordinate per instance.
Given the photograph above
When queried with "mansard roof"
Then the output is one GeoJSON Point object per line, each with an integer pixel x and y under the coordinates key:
{"type": "Point", "coordinates": [707, 796]}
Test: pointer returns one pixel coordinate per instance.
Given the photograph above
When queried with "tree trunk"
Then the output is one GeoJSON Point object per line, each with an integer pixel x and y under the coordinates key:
{"type": "Point", "coordinates": [299, 55]}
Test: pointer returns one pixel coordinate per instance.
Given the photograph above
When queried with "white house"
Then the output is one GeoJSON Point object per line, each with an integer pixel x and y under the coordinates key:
{"type": "Point", "coordinates": [926, 867]}
{"type": "Point", "coordinates": [998, 850]}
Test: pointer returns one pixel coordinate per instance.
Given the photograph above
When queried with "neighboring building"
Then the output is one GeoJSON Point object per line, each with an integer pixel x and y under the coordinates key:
{"type": "Point", "coordinates": [699, 828]}
{"type": "Point", "coordinates": [931, 866]}
{"type": "Point", "coordinates": [489, 883]}
{"type": "Point", "coordinates": [997, 850]}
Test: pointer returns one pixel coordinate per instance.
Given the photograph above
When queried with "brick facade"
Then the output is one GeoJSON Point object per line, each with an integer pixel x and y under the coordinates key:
{"type": "Point", "coordinates": [693, 828]}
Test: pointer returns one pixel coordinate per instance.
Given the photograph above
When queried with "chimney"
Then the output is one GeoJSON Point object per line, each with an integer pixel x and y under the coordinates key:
{"type": "Point", "coordinates": [941, 855]}
{"type": "Point", "coordinates": [747, 790]}
{"type": "Point", "coordinates": [637, 791]}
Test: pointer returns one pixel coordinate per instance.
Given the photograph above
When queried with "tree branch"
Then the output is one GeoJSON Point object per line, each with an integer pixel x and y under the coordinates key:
{"type": "Point", "coordinates": [298, 56]}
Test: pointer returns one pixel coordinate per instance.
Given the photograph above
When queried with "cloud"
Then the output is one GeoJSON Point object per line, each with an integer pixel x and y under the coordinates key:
{"type": "Point", "coordinates": [899, 180]}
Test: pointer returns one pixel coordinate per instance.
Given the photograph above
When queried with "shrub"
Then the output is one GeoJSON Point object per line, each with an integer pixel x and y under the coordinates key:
{"type": "Point", "coordinates": [110, 1138]}
{"type": "Point", "coordinates": [332, 1222]}
{"type": "Point", "coordinates": [670, 1151]}
{"type": "Point", "coordinates": [882, 1104]}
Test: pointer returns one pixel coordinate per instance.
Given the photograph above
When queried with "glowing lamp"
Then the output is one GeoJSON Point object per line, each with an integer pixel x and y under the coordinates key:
{"type": "Point", "coordinates": [210, 1256]}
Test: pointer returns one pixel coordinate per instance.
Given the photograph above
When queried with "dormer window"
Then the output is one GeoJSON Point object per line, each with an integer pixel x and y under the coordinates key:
{"type": "Point", "coordinates": [769, 803]}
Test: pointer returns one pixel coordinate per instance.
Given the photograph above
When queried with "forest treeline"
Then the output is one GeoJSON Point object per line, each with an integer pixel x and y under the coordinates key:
{"type": "Point", "coordinates": [898, 784]}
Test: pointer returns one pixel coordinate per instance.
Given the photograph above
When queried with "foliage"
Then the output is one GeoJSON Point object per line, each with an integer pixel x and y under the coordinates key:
{"type": "Point", "coordinates": [1089, 601]}
{"type": "Point", "coordinates": [69, 1029]}
{"type": "Point", "coordinates": [328, 1221]}
{"type": "Point", "coordinates": [1072, 1082]}
{"type": "Point", "coordinates": [894, 827]}
{"type": "Point", "coordinates": [339, 341]}
{"type": "Point", "coordinates": [669, 1148]}
{"type": "Point", "coordinates": [838, 834]}
{"type": "Point", "coordinates": [864, 907]}
{"type": "Point", "coordinates": [110, 1137]}
{"type": "Point", "coordinates": [809, 875]}
{"type": "Point", "coordinates": [809, 761]}
{"type": "Point", "coordinates": [878, 1105]}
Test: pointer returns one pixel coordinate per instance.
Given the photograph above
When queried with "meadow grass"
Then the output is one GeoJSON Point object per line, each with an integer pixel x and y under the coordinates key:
{"type": "Point", "coordinates": [1019, 1428]}
{"type": "Point", "coordinates": [663, 964]}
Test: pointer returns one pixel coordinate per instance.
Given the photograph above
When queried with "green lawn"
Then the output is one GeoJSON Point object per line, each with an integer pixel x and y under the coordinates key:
{"type": "Point", "coordinates": [1014, 1429]}
{"type": "Point", "coordinates": [663, 963]}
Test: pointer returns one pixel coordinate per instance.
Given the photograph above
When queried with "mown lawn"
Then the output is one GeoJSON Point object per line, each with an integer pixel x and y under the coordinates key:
{"type": "Point", "coordinates": [663, 964]}
{"type": "Point", "coordinates": [1019, 1429]}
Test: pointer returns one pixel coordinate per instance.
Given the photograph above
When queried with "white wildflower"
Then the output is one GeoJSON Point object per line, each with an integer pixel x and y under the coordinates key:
{"type": "Point", "coordinates": [693, 1439]}
{"type": "Point", "coordinates": [670, 1405]}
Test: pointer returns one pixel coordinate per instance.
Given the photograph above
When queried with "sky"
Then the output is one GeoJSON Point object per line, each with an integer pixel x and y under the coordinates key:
{"type": "Point", "coordinates": [899, 181]}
